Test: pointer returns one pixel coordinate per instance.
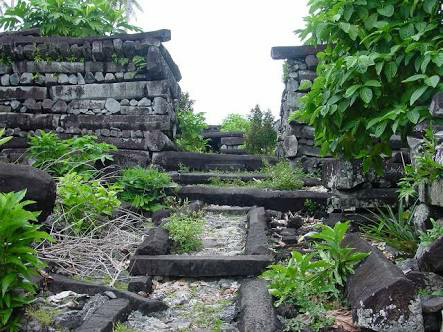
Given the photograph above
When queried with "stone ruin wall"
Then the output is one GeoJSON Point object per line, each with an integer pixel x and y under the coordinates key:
{"type": "Point", "coordinates": [296, 141]}
{"type": "Point", "coordinates": [79, 86]}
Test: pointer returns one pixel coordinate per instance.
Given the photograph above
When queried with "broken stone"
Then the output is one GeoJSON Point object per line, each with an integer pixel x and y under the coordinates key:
{"type": "Point", "coordinates": [290, 146]}
{"type": "Point", "coordinates": [430, 259]}
{"type": "Point", "coordinates": [140, 284]}
{"type": "Point", "coordinates": [155, 243]}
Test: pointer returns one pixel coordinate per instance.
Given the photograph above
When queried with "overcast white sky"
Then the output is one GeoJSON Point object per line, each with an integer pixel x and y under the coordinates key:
{"type": "Point", "coordinates": [223, 49]}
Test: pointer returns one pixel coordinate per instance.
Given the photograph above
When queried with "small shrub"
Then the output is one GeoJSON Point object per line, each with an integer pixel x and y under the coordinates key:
{"type": "Point", "coordinates": [18, 260]}
{"type": "Point", "coordinates": [60, 157]}
{"type": "Point", "coordinates": [282, 176]}
{"type": "Point", "coordinates": [84, 201]}
{"type": "Point", "coordinates": [45, 316]}
{"type": "Point", "coordinates": [121, 327]}
{"type": "Point", "coordinates": [145, 188]}
{"type": "Point", "coordinates": [235, 122]}
{"type": "Point", "coordinates": [397, 230]}
{"type": "Point", "coordinates": [261, 138]}
{"type": "Point", "coordinates": [310, 280]}
{"type": "Point", "coordinates": [4, 139]}
{"type": "Point", "coordinates": [186, 232]}
{"type": "Point", "coordinates": [431, 235]}
{"type": "Point", "coordinates": [310, 206]}
{"type": "Point", "coordinates": [191, 126]}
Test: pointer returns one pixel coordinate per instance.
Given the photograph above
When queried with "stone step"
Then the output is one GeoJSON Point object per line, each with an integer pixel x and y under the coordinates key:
{"type": "Point", "coordinates": [199, 266]}
{"type": "Point", "coordinates": [205, 178]}
{"type": "Point", "coordinates": [233, 151]}
{"type": "Point", "coordinates": [269, 199]}
{"type": "Point", "coordinates": [171, 161]}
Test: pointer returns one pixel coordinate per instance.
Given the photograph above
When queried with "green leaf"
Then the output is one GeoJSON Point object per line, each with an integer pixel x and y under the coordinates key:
{"type": "Point", "coordinates": [413, 116]}
{"type": "Point", "coordinates": [366, 95]}
{"type": "Point", "coordinates": [391, 70]}
{"type": "Point", "coordinates": [432, 81]}
{"type": "Point", "coordinates": [345, 26]}
{"type": "Point", "coordinates": [429, 6]}
{"type": "Point", "coordinates": [414, 78]}
{"type": "Point", "coordinates": [351, 90]}
{"type": "Point", "coordinates": [407, 31]}
{"type": "Point", "coordinates": [380, 129]}
{"type": "Point", "coordinates": [373, 83]}
{"type": "Point", "coordinates": [7, 281]}
{"type": "Point", "coordinates": [387, 11]}
{"type": "Point", "coordinates": [417, 94]}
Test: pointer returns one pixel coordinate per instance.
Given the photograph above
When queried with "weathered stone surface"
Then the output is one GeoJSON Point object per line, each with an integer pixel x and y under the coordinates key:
{"type": "Point", "coordinates": [269, 199]}
{"type": "Point", "coordinates": [255, 308]}
{"type": "Point", "coordinates": [436, 107]}
{"type": "Point", "coordinates": [232, 140]}
{"type": "Point", "coordinates": [39, 186]}
{"type": "Point", "coordinates": [433, 193]}
{"type": "Point", "coordinates": [59, 283]}
{"type": "Point", "coordinates": [156, 242]}
{"type": "Point", "coordinates": [256, 239]}
{"type": "Point", "coordinates": [381, 297]}
{"type": "Point", "coordinates": [32, 104]}
{"type": "Point", "coordinates": [109, 77]}
{"type": "Point", "coordinates": [430, 259]}
{"type": "Point", "coordinates": [294, 52]}
{"type": "Point", "coordinates": [157, 88]}
{"type": "Point", "coordinates": [60, 106]}
{"type": "Point", "coordinates": [131, 122]}
{"type": "Point", "coordinates": [156, 141]}
{"type": "Point", "coordinates": [99, 77]}
{"type": "Point", "coordinates": [104, 318]}
{"type": "Point", "coordinates": [432, 304]}
{"type": "Point", "coordinates": [63, 79]}
{"type": "Point", "coordinates": [199, 266]}
{"type": "Point", "coordinates": [140, 284]}
{"type": "Point", "coordinates": [144, 102]}
{"type": "Point", "coordinates": [362, 199]}
{"type": "Point", "coordinates": [206, 161]}
{"type": "Point", "coordinates": [22, 93]}
{"type": "Point", "coordinates": [55, 67]}
{"type": "Point", "coordinates": [428, 281]}
{"type": "Point", "coordinates": [290, 146]}
{"type": "Point", "coordinates": [112, 105]}
{"type": "Point", "coordinates": [29, 121]}
{"type": "Point", "coordinates": [422, 216]}
{"type": "Point", "coordinates": [308, 75]}
{"type": "Point", "coordinates": [161, 106]}
{"type": "Point", "coordinates": [131, 158]}
{"type": "Point", "coordinates": [158, 216]}
{"type": "Point", "coordinates": [125, 90]}
{"type": "Point", "coordinates": [4, 80]}
{"type": "Point", "coordinates": [343, 174]}
{"type": "Point", "coordinates": [311, 61]}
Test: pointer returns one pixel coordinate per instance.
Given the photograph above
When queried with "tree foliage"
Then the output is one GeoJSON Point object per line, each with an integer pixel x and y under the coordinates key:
{"type": "Point", "coordinates": [377, 75]}
{"type": "Point", "coordinates": [235, 122]}
{"type": "Point", "coordinates": [191, 126]}
{"type": "Point", "coordinates": [73, 18]}
{"type": "Point", "coordinates": [261, 137]}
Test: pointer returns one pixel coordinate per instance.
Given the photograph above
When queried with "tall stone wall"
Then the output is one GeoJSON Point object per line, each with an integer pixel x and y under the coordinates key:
{"type": "Point", "coordinates": [122, 88]}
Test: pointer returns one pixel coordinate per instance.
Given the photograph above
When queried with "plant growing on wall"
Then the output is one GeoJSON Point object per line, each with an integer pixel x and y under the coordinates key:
{"type": "Point", "coordinates": [73, 18]}
{"type": "Point", "coordinates": [235, 122]}
{"type": "Point", "coordinates": [191, 126]}
{"type": "Point", "coordinates": [377, 75]}
{"type": "Point", "coordinates": [4, 140]}
{"type": "Point", "coordinates": [261, 137]}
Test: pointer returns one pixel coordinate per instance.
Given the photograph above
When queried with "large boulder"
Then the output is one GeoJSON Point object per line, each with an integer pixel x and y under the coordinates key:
{"type": "Point", "coordinates": [382, 298]}
{"type": "Point", "coordinates": [40, 186]}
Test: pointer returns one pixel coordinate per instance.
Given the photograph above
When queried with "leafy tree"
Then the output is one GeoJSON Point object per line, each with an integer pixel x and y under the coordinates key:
{"type": "Point", "coordinates": [191, 126]}
{"type": "Point", "coordinates": [73, 18]}
{"type": "Point", "coordinates": [235, 122]}
{"type": "Point", "coordinates": [261, 138]}
{"type": "Point", "coordinates": [377, 75]}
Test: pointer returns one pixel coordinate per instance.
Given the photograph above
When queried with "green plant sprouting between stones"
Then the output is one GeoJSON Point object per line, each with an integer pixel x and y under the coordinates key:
{"type": "Point", "coordinates": [396, 229]}
{"type": "Point", "coordinates": [186, 230]}
{"type": "Point", "coordinates": [18, 260]}
{"type": "Point", "coordinates": [433, 234]}
{"type": "Point", "coordinates": [145, 188]}
{"type": "Point", "coordinates": [59, 157]}
{"type": "Point", "coordinates": [4, 140]}
{"type": "Point", "coordinates": [310, 281]}
{"type": "Point", "coordinates": [383, 60]}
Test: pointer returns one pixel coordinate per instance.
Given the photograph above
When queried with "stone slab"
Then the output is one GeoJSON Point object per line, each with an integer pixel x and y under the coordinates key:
{"type": "Point", "coordinates": [123, 90]}
{"type": "Point", "coordinates": [269, 199]}
{"type": "Point", "coordinates": [294, 52]}
{"type": "Point", "coordinates": [26, 121]}
{"type": "Point", "coordinates": [205, 161]}
{"type": "Point", "coordinates": [256, 239]}
{"type": "Point", "coordinates": [199, 266]}
{"type": "Point", "coordinates": [205, 178]}
{"type": "Point", "coordinates": [22, 92]}
{"type": "Point", "coordinates": [104, 318]}
{"type": "Point", "coordinates": [255, 309]}
{"type": "Point", "coordinates": [232, 140]}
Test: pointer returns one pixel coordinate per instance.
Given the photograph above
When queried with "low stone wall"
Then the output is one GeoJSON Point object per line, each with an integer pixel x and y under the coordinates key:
{"type": "Point", "coordinates": [122, 88]}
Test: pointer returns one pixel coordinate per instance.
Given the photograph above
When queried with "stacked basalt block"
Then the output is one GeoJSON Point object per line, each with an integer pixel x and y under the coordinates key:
{"type": "Point", "coordinates": [122, 89]}
{"type": "Point", "coordinates": [225, 142]}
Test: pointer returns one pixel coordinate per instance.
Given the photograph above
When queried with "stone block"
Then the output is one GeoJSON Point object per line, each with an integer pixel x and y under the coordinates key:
{"type": "Point", "coordinates": [381, 297]}
{"type": "Point", "coordinates": [436, 107]}
{"type": "Point", "coordinates": [40, 186]}
{"type": "Point", "coordinates": [157, 141]}
{"type": "Point", "coordinates": [156, 242]}
{"type": "Point", "coordinates": [55, 67]}
{"type": "Point", "coordinates": [157, 88]}
{"type": "Point", "coordinates": [22, 93]}
{"type": "Point", "coordinates": [430, 259]}
{"type": "Point", "coordinates": [290, 146]}
{"type": "Point", "coordinates": [4, 80]}
{"type": "Point", "coordinates": [232, 140]}
{"type": "Point", "coordinates": [124, 90]}
{"type": "Point", "coordinates": [256, 239]}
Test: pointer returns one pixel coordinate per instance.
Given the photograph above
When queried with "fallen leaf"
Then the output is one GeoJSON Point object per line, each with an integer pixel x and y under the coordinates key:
{"type": "Point", "coordinates": [343, 319]}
